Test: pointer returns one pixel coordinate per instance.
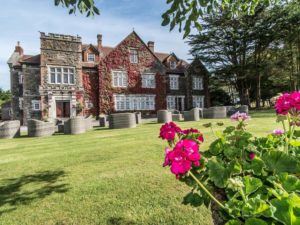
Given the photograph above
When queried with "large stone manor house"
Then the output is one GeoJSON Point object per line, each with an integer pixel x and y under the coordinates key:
{"type": "Point", "coordinates": [69, 78]}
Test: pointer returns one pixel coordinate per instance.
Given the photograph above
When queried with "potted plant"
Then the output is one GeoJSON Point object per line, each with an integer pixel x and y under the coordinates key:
{"type": "Point", "coordinates": [243, 179]}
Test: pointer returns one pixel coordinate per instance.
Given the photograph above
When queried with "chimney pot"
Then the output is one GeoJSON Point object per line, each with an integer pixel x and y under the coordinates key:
{"type": "Point", "coordinates": [19, 49]}
{"type": "Point", "coordinates": [99, 40]}
{"type": "Point", "coordinates": [151, 45]}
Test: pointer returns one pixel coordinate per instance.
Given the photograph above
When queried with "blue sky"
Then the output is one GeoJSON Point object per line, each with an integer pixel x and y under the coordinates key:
{"type": "Point", "coordinates": [21, 20]}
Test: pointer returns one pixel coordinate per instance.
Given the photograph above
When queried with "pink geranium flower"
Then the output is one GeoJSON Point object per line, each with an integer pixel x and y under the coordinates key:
{"type": "Point", "coordinates": [240, 116]}
{"type": "Point", "coordinates": [180, 164]}
{"type": "Point", "coordinates": [284, 103]}
{"type": "Point", "coordinates": [252, 155]}
{"type": "Point", "coordinates": [195, 131]}
{"type": "Point", "coordinates": [278, 132]}
{"type": "Point", "coordinates": [167, 161]}
{"type": "Point", "coordinates": [168, 131]}
{"type": "Point", "coordinates": [191, 148]}
{"type": "Point", "coordinates": [295, 100]}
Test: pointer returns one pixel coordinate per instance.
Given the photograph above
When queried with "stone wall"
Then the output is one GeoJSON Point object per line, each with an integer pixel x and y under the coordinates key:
{"type": "Point", "coordinates": [16, 92]}
{"type": "Point", "coordinates": [60, 50]}
{"type": "Point", "coordinates": [32, 80]}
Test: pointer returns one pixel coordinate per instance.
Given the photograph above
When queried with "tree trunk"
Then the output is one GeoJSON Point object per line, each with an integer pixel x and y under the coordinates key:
{"type": "Point", "coordinates": [258, 90]}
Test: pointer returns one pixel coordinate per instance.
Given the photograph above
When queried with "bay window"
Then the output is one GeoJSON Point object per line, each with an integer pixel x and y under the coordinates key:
{"type": "Point", "coordinates": [61, 75]}
{"type": "Point", "coordinates": [134, 102]}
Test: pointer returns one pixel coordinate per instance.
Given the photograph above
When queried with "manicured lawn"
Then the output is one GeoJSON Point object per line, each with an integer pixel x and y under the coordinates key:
{"type": "Point", "coordinates": [105, 176]}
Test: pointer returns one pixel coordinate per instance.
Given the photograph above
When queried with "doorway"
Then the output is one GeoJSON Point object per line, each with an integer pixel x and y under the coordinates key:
{"type": "Point", "coordinates": [63, 109]}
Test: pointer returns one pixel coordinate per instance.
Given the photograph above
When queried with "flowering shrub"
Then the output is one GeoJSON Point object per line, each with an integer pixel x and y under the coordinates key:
{"type": "Point", "coordinates": [245, 179]}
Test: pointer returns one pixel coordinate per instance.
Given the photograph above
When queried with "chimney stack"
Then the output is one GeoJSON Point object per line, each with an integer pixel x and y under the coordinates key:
{"type": "Point", "coordinates": [151, 45]}
{"type": "Point", "coordinates": [99, 40]}
{"type": "Point", "coordinates": [19, 49]}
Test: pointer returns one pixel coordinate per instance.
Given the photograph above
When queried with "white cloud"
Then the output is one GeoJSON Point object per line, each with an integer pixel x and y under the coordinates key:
{"type": "Point", "coordinates": [22, 23]}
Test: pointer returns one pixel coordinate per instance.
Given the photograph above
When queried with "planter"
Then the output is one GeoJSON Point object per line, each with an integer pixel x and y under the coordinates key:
{"type": "Point", "coordinates": [122, 120]}
{"type": "Point", "coordinates": [164, 116]}
{"type": "Point", "coordinates": [37, 128]}
{"type": "Point", "coordinates": [9, 129]}
{"type": "Point", "coordinates": [218, 112]}
{"type": "Point", "coordinates": [75, 125]}
{"type": "Point", "coordinates": [192, 115]}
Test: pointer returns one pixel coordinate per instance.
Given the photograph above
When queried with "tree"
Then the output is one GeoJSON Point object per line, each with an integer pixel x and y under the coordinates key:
{"type": "Point", "coordinates": [239, 49]}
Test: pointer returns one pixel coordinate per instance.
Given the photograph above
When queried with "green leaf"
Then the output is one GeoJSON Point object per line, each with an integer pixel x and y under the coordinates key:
{"type": "Point", "coordinates": [192, 199]}
{"type": "Point", "coordinates": [166, 20]}
{"type": "Point", "coordinates": [233, 222]}
{"type": "Point", "coordinates": [231, 152]}
{"type": "Point", "coordinates": [255, 207]}
{"type": "Point", "coordinates": [289, 182]}
{"type": "Point", "coordinates": [279, 162]}
{"type": "Point", "coordinates": [216, 147]}
{"type": "Point", "coordinates": [218, 173]}
{"type": "Point", "coordinates": [255, 166]}
{"type": "Point", "coordinates": [286, 210]}
{"type": "Point", "coordinates": [295, 143]}
{"type": "Point", "coordinates": [251, 184]}
{"type": "Point", "coordinates": [255, 221]}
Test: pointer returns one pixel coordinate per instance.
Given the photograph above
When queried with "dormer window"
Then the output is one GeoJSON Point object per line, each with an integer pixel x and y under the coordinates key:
{"type": "Point", "coordinates": [172, 65]}
{"type": "Point", "coordinates": [90, 57]}
{"type": "Point", "coordinates": [134, 57]}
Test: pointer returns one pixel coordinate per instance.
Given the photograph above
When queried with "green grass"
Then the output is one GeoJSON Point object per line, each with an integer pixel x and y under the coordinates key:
{"type": "Point", "coordinates": [104, 176]}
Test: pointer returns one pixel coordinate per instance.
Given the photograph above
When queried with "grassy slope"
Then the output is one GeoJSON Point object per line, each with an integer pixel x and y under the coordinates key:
{"type": "Point", "coordinates": [101, 177]}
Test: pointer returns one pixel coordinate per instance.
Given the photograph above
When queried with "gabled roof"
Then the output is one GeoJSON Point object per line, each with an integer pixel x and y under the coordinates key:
{"type": "Point", "coordinates": [161, 56]}
{"type": "Point", "coordinates": [86, 46]}
{"type": "Point", "coordinates": [141, 40]}
{"type": "Point", "coordinates": [30, 59]}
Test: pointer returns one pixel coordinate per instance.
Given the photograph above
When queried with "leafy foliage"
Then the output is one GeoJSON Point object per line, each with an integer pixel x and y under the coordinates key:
{"type": "Point", "coordinates": [187, 14]}
{"type": "Point", "coordinates": [87, 7]}
{"type": "Point", "coordinates": [256, 191]}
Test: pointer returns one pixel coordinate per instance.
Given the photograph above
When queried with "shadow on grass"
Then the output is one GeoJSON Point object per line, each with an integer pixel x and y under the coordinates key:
{"type": "Point", "coordinates": [120, 221]}
{"type": "Point", "coordinates": [14, 192]}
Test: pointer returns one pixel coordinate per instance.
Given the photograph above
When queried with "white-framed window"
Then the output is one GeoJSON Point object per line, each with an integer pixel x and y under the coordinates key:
{"type": "Point", "coordinates": [119, 78]}
{"type": "Point", "coordinates": [21, 77]}
{"type": "Point", "coordinates": [36, 105]}
{"type": "Point", "coordinates": [90, 57]}
{"type": "Point", "coordinates": [21, 103]}
{"type": "Point", "coordinates": [197, 83]}
{"type": "Point", "coordinates": [174, 82]}
{"type": "Point", "coordinates": [148, 80]}
{"type": "Point", "coordinates": [134, 102]}
{"type": "Point", "coordinates": [198, 101]}
{"type": "Point", "coordinates": [134, 56]}
{"type": "Point", "coordinates": [175, 102]}
{"type": "Point", "coordinates": [171, 102]}
{"type": "Point", "coordinates": [61, 75]}
{"type": "Point", "coordinates": [172, 65]}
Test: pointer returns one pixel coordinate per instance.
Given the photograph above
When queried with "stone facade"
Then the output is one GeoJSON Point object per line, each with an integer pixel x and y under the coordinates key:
{"type": "Point", "coordinates": [69, 78]}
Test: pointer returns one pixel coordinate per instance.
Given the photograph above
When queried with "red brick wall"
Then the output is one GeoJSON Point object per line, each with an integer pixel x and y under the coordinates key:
{"type": "Point", "coordinates": [90, 80]}
{"type": "Point", "coordinates": [92, 51]}
{"type": "Point", "coordinates": [118, 59]}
